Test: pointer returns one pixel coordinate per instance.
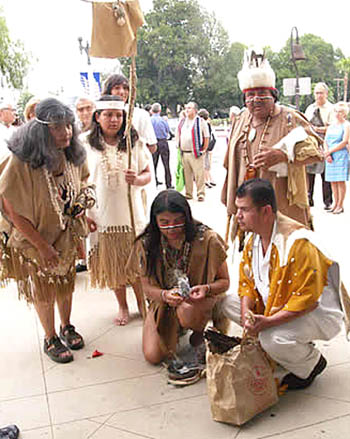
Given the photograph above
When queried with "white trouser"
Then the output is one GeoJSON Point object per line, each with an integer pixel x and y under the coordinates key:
{"type": "Point", "coordinates": [290, 344]}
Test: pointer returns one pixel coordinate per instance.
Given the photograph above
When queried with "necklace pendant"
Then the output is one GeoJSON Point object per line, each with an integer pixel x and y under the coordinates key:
{"type": "Point", "coordinates": [252, 134]}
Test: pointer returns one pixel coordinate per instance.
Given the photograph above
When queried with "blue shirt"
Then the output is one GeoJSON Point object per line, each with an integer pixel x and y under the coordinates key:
{"type": "Point", "coordinates": [160, 126]}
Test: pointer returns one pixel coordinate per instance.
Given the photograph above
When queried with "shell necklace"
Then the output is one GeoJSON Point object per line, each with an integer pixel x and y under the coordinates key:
{"type": "Point", "coordinates": [251, 171]}
{"type": "Point", "coordinates": [57, 202]}
{"type": "Point", "coordinates": [112, 164]}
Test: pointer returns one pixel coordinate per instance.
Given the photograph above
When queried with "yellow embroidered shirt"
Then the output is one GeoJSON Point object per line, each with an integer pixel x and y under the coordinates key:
{"type": "Point", "coordinates": [298, 271]}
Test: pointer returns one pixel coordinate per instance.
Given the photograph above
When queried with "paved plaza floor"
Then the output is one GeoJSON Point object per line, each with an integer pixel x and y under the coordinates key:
{"type": "Point", "coordinates": [119, 395]}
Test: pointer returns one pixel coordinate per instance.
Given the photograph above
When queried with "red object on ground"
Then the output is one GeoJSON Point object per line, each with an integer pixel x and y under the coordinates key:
{"type": "Point", "coordinates": [96, 353]}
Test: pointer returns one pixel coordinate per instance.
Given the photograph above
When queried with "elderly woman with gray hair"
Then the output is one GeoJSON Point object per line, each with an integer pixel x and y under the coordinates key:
{"type": "Point", "coordinates": [43, 195]}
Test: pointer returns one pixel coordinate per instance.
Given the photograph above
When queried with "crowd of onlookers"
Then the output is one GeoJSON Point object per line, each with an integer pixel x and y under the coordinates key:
{"type": "Point", "coordinates": [135, 235]}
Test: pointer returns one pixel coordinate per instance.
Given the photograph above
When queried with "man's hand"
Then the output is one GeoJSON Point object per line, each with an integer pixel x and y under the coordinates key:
{"type": "Point", "coordinates": [256, 324]}
{"type": "Point", "coordinates": [319, 130]}
{"type": "Point", "coordinates": [268, 157]}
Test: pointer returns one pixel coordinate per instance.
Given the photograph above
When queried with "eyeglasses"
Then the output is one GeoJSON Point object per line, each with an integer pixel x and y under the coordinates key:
{"type": "Point", "coordinates": [87, 108]}
{"type": "Point", "coordinates": [252, 99]}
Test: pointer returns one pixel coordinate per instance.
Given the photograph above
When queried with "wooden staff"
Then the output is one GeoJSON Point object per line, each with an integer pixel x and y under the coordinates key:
{"type": "Point", "coordinates": [228, 223]}
{"type": "Point", "coordinates": [132, 98]}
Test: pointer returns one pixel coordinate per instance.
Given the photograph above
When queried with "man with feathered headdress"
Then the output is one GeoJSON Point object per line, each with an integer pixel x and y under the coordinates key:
{"type": "Point", "coordinates": [269, 141]}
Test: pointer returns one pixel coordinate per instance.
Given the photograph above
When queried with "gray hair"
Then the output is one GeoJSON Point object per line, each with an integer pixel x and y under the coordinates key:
{"type": "Point", "coordinates": [156, 108]}
{"type": "Point", "coordinates": [323, 85]}
{"type": "Point", "coordinates": [84, 98]}
{"type": "Point", "coordinates": [195, 105]}
{"type": "Point", "coordinates": [32, 143]}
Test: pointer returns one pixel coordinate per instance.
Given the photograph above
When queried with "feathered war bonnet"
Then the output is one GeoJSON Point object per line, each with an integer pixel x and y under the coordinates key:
{"type": "Point", "coordinates": [256, 72]}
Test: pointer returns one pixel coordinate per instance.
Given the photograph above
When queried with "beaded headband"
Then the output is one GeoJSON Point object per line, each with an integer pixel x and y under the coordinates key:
{"type": "Point", "coordinates": [53, 121]}
{"type": "Point", "coordinates": [110, 105]}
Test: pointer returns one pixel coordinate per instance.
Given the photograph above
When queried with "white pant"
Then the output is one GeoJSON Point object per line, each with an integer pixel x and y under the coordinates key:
{"type": "Point", "coordinates": [290, 344]}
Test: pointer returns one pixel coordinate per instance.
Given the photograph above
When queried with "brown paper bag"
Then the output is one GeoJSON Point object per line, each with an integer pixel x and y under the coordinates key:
{"type": "Point", "coordinates": [240, 383]}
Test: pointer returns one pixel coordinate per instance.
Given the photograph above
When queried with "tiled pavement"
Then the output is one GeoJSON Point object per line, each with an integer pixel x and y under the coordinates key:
{"type": "Point", "coordinates": [119, 395]}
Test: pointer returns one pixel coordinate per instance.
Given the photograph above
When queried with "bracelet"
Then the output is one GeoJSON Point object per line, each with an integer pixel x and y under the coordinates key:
{"type": "Point", "coordinates": [207, 294]}
{"type": "Point", "coordinates": [162, 295]}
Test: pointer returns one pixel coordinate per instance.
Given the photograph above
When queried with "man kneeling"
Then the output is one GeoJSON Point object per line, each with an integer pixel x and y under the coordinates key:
{"type": "Point", "coordinates": [288, 282]}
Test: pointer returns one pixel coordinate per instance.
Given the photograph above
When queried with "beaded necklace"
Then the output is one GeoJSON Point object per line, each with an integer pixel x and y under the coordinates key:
{"type": "Point", "coordinates": [175, 261]}
{"type": "Point", "coordinates": [112, 163]}
{"type": "Point", "coordinates": [250, 134]}
{"type": "Point", "coordinates": [57, 202]}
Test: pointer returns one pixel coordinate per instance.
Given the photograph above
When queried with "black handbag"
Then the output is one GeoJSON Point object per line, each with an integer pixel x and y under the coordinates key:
{"type": "Point", "coordinates": [212, 139]}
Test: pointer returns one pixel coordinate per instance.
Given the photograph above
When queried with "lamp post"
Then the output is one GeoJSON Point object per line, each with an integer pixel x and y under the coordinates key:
{"type": "Point", "coordinates": [85, 48]}
{"type": "Point", "coordinates": [297, 55]}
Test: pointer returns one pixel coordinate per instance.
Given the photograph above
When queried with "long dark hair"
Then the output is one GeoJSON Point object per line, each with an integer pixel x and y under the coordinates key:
{"type": "Point", "coordinates": [166, 201]}
{"type": "Point", "coordinates": [96, 134]}
{"type": "Point", "coordinates": [112, 81]}
{"type": "Point", "coordinates": [32, 143]}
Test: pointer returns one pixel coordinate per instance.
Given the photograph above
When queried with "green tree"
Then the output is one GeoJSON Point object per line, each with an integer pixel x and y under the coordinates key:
{"type": "Point", "coordinates": [24, 98]}
{"type": "Point", "coordinates": [178, 49]}
{"type": "Point", "coordinates": [218, 88]}
{"type": "Point", "coordinates": [14, 60]}
{"type": "Point", "coordinates": [320, 64]}
{"type": "Point", "coordinates": [343, 66]}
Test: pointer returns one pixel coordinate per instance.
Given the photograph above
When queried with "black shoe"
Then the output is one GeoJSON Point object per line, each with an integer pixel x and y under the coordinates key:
{"type": "Point", "coordinates": [80, 267]}
{"type": "Point", "coordinates": [311, 203]}
{"type": "Point", "coordinates": [327, 207]}
{"type": "Point", "coordinates": [158, 183]}
{"type": "Point", "coordinates": [295, 383]}
{"type": "Point", "coordinates": [9, 432]}
{"type": "Point", "coordinates": [170, 187]}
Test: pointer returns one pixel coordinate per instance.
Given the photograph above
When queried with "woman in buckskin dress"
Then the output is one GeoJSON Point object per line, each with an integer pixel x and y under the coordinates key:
{"type": "Point", "coordinates": [112, 242]}
{"type": "Point", "coordinates": [44, 193]}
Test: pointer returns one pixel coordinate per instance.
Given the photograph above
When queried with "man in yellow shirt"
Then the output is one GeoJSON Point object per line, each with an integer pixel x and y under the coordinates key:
{"type": "Point", "coordinates": [288, 283]}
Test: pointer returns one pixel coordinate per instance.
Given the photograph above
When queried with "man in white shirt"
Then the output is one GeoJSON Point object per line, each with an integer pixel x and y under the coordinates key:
{"type": "Point", "coordinates": [320, 114]}
{"type": "Point", "coordinates": [289, 290]}
{"type": "Point", "coordinates": [192, 137]}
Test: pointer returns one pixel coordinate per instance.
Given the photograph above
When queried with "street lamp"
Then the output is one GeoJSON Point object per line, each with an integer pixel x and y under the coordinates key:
{"type": "Point", "coordinates": [85, 48]}
{"type": "Point", "coordinates": [297, 55]}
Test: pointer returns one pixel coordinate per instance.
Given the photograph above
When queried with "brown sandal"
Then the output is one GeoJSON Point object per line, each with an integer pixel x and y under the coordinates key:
{"type": "Point", "coordinates": [54, 349]}
{"type": "Point", "coordinates": [72, 339]}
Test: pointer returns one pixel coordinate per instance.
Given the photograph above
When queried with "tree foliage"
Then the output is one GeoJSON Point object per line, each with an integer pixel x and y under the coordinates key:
{"type": "Point", "coordinates": [320, 64]}
{"type": "Point", "coordinates": [184, 54]}
{"type": "Point", "coordinates": [177, 52]}
{"type": "Point", "coordinates": [23, 99]}
{"type": "Point", "coordinates": [13, 59]}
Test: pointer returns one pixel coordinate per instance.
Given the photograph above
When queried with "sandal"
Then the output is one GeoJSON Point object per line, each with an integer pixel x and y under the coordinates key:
{"type": "Point", "coordinates": [54, 348]}
{"type": "Point", "coordinates": [72, 339]}
{"type": "Point", "coordinates": [185, 375]}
